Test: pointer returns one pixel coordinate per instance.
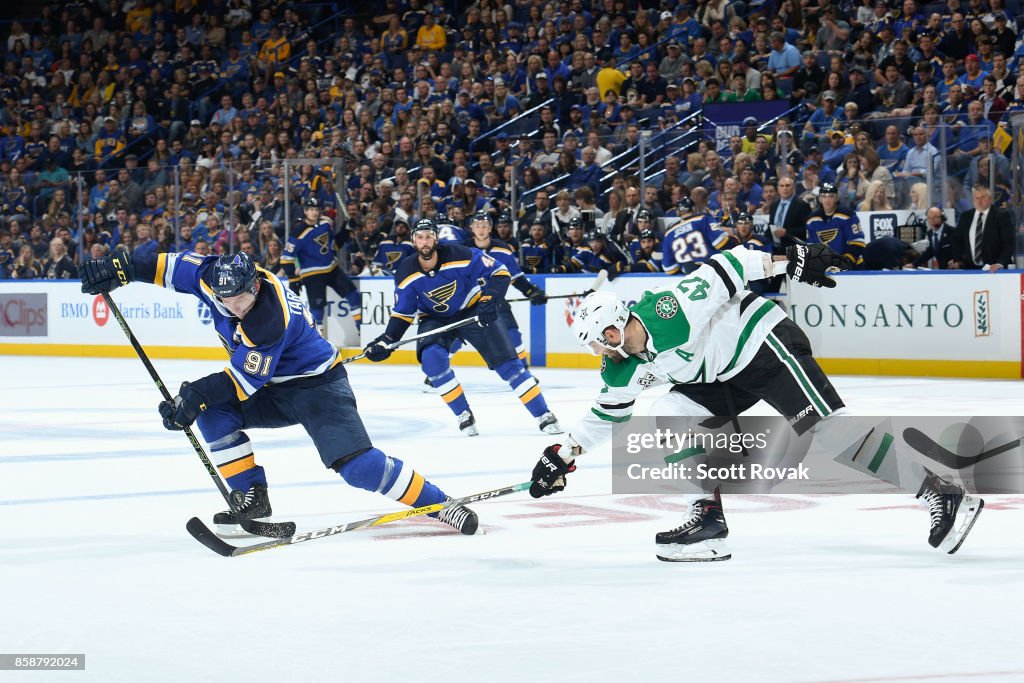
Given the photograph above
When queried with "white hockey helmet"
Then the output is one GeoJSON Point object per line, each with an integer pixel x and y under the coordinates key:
{"type": "Point", "coordinates": [598, 312]}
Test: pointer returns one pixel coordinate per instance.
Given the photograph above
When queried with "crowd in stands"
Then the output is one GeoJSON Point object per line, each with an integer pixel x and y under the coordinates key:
{"type": "Point", "coordinates": [162, 124]}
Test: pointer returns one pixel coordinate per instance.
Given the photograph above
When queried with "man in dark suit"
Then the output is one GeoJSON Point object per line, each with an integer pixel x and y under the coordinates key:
{"type": "Point", "coordinates": [788, 215]}
{"type": "Point", "coordinates": [983, 238]}
{"type": "Point", "coordinates": [940, 241]}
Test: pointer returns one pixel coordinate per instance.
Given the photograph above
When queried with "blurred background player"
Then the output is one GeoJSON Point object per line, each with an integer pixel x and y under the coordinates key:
{"type": "Point", "coordinates": [691, 241]}
{"type": "Point", "coordinates": [743, 228]}
{"type": "Point", "coordinates": [310, 259]}
{"type": "Point", "coordinates": [480, 238]}
{"type": "Point", "coordinates": [536, 254]}
{"type": "Point", "coordinates": [446, 283]}
{"type": "Point", "coordinates": [394, 247]}
{"type": "Point", "coordinates": [723, 349]}
{"type": "Point", "coordinates": [448, 232]}
{"type": "Point", "coordinates": [645, 252]}
{"type": "Point", "coordinates": [599, 254]}
{"type": "Point", "coordinates": [282, 372]}
{"type": "Point", "coordinates": [836, 226]}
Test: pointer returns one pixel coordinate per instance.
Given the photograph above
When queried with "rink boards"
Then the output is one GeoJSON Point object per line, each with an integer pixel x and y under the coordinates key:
{"type": "Point", "coordinates": [903, 323]}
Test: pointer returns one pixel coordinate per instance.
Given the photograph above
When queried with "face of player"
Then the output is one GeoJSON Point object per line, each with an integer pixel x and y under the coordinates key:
{"type": "Point", "coordinates": [828, 202]}
{"type": "Point", "coordinates": [481, 230]}
{"type": "Point", "coordinates": [312, 214]}
{"type": "Point", "coordinates": [613, 339]}
{"type": "Point", "coordinates": [647, 244]}
{"type": "Point", "coordinates": [744, 228]}
{"type": "Point", "coordinates": [425, 243]}
{"type": "Point", "coordinates": [239, 305]}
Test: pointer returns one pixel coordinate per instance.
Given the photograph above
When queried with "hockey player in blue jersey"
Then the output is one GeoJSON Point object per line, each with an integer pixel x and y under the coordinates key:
{"type": "Point", "coordinates": [448, 232]}
{"type": "Point", "coordinates": [599, 254]}
{"type": "Point", "coordinates": [445, 283]}
{"type": "Point", "coordinates": [395, 247]}
{"type": "Point", "coordinates": [645, 252]}
{"type": "Point", "coordinates": [535, 253]}
{"type": "Point", "coordinates": [690, 242]}
{"type": "Point", "coordinates": [836, 226]}
{"type": "Point", "coordinates": [281, 372]}
{"type": "Point", "coordinates": [481, 239]}
{"type": "Point", "coordinates": [745, 235]}
{"type": "Point", "coordinates": [309, 260]}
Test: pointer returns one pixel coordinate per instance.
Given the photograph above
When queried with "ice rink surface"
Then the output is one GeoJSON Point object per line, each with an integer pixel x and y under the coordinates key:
{"type": "Point", "coordinates": [94, 496]}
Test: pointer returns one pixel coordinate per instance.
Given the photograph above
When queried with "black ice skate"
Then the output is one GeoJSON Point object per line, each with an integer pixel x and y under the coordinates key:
{"type": "Point", "coordinates": [467, 423]}
{"type": "Point", "coordinates": [253, 504]}
{"type": "Point", "coordinates": [953, 513]}
{"type": "Point", "coordinates": [459, 518]}
{"type": "Point", "coordinates": [701, 538]}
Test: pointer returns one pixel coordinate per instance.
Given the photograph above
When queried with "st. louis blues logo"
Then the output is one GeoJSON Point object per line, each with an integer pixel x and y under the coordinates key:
{"type": "Point", "coordinates": [441, 295]}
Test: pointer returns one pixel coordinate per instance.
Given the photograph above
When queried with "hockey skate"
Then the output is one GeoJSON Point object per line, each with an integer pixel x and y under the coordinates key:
{"type": "Point", "coordinates": [701, 538]}
{"type": "Point", "coordinates": [953, 512]}
{"type": "Point", "coordinates": [548, 423]}
{"type": "Point", "coordinates": [460, 518]}
{"type": "Point", "coordinates": [428, 388]}
{"type": "Point", "coordinates": [253, 505]}
{"type": "Point", "coordinates": [467, 423]}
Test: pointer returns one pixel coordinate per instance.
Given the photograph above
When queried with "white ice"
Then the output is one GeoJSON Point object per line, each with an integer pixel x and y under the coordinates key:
{"type": "Point", "coordinates": [95, 559]}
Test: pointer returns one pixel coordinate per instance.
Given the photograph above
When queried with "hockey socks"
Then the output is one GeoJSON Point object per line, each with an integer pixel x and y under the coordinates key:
{"type": "Point", "coordinates": [373, 471]}
{"type": "Point", "coordinates": [517, 341]}
{"type": "Point", "coordinates": [355, 307]}
{"type": "Point", "coordinates": [524, 385]}
{"type": "Point", "coordinates": [235, 460]}
{"type": "Point", "coordinates": [436, 366]}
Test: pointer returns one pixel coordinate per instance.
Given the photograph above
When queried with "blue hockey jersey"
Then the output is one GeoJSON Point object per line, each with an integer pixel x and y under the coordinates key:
{"type": "Point", "coordinates": [310, 250]}
{"type": "Point", "coordinates": [690, 242]}
{"type": "Point", "coordinates": [278, 340]}
{"type": "Point", "coordinates": [840, 231]}
{"type": "Point", "coordinates": [453, 286]}
{"type": "Point", "coordinates": [390, 253]}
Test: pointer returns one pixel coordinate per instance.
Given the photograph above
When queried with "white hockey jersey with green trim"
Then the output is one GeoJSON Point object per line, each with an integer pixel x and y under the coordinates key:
{"type": "Point", "coordinates": [702, 328]}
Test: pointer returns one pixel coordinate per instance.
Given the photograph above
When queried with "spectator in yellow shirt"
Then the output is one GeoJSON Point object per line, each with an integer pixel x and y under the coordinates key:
{"type": "Point", "coordinates": [276, 49]}
{"type": "Point", "coordinates": [431, 36]}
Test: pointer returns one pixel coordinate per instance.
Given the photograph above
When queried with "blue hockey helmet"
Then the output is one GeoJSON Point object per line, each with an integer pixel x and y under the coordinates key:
{"type": "Point", "coordinates": [233, 274]}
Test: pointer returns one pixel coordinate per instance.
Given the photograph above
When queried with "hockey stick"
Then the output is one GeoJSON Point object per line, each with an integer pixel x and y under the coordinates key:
{"type": "Point", "coordinates": [203, 534]}
{"type": "Point", "coordinates": [924, 444]}
{"type": "Point", "coordinates": [269, 529]}
{"type": "Point", "coordinates": [602, 277]}
{"type": "Point", "coordinates": [409, 340]}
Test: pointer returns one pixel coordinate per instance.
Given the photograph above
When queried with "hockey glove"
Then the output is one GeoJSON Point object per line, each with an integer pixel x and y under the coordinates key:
{"type": "Point", "coordinates": [537, 296]}
{"type": "Point", "coordinates": [549, 473]}
{"type": "Point", "coordinates": [107, 274]}
{"type": "Point", "coordinates": [812, 263]}
{"type": "Point", "coordinates": [378, 350]}
{"type": "Point", "coordinates": [613, 270]}
{"type": "Point", "coordinates": [487, 309]}
{"type": "Point", "coordinates": [183, 410]}
{"type": "Point", "coordinates": [295, 285]}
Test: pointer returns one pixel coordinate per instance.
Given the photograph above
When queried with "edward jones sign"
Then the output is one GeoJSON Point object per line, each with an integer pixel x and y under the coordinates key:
{"type": "Point", "coordinates": [23, 315]}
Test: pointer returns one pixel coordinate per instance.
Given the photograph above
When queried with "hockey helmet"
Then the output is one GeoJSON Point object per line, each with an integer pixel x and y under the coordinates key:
{"type": "Point", "coordinates": [505, 217]}
{"type": "Point", "coordinates": [481, 216]}
{"type": "Point", "coordinates": [827, 188]}
{"type": "Point", "coordinates": [744, 217]}
{"type": "Point", "coordinates": [311, 203]}
{"type": "Point", "coordinates": [594, 234]}
{"type": "Point", "coordinates": [598, 312]}
{"type": "Point", "coordinates": [442, 218]}
{"type": "Point", "coordinates": [233, 274]}
{"type": "Point", "coordinates": [684, 206]}
{"type": "Point", "coordinates": [425, 224]}
{"type": "Point", "coordinates": [575, 223]}
{"type": "Point", "coordinates": [648, 234]}
{"type": "Point", "coordinates": [644, 215]}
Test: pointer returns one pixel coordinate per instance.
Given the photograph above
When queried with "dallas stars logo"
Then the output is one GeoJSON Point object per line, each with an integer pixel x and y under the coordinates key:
{"type": "Point", "coordinates": [666, 307]}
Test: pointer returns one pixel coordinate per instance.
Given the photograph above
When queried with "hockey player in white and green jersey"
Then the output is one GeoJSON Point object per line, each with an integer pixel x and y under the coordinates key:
{"type": "Point", "coordinates": [721, 349]}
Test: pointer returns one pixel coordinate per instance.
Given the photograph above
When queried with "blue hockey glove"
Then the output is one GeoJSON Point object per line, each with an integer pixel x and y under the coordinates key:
{"type": "Point", "coordinates": [183, 410]}
{"type": "Point", "coordinates": [537, 296]}
{"type": "Point", "coordinates": [378, 350]}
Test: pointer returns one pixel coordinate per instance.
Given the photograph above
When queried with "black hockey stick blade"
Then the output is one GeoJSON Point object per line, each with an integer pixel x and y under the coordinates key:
{"type": "Point", "coordinates": [269, 529]}
{"type": "Point", "coordinates": [202, 533]}
{"type": "Point", "coordinates": [924, 444]}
